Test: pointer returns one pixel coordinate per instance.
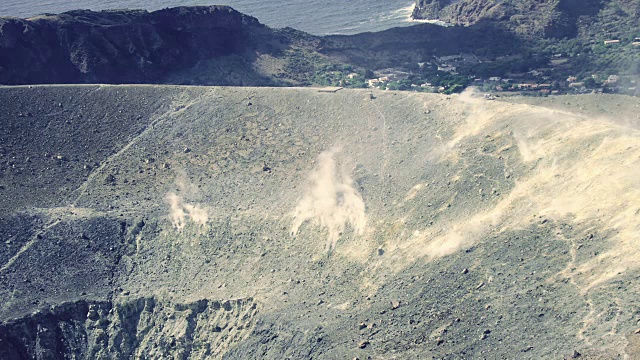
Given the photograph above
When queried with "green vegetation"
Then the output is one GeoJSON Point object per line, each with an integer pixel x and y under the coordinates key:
{"type": "Point", "coordinates": [341, 75]}
{"type": "Point", "coordinates": [452, 83]}
{"type": "Point", "coordinates": [566, 47]}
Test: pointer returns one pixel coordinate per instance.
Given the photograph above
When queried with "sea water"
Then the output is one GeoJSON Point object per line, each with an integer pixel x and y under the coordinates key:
{"type": "Point", "coordinates": [316, 17]}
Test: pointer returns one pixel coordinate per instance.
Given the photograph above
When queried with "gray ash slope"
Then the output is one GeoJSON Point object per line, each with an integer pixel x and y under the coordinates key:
{"type": "Point", "coordinates": [216, 222]}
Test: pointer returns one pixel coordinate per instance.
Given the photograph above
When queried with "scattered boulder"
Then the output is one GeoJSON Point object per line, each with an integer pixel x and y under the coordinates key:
{"type": "Point", "coordinates": [110, 179]}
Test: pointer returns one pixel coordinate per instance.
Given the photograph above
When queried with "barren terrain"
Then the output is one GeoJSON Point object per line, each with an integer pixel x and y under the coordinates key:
{"type": "Point", "coordinates": [237, 223]}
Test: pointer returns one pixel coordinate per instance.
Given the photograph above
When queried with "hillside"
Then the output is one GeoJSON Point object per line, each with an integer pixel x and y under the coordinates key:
{"type": "Point", "coordinates": [217, 45]}
{"type": "Point", "coordinates": [531, 18]}
{"type": "Point", "coordinates": [212, 45]}
{"type": "Point", "coordinates": [220, 222]}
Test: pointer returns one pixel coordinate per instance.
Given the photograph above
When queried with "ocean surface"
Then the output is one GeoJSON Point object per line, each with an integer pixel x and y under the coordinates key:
{"type": "Point", "coordinates": [316, 17]}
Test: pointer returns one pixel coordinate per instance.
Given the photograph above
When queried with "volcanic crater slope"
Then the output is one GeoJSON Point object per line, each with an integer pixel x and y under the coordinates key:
{"type": "Point", "coordinates": [212, 222]}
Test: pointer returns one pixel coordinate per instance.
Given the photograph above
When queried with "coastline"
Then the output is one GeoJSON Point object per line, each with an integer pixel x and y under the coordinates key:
{"type": "Point", "coordinates": [409, 10]}
{"type": "Point", "coordinates": [400, 17]}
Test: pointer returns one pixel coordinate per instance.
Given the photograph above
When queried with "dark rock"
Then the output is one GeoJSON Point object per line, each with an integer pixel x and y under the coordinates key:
{"type": "Point", "coordinates": [110, 179]}
{"type": "Point", "coordinates": [429, 9]}
{"type": "Point", "coordinates": [84, 46]}
{"type": "Point", "coordinates": [551, 19]}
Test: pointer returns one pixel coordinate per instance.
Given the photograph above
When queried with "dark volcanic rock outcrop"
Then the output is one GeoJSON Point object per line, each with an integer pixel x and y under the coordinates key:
{"type": "Point", "coordinates": [121, 46]}
{"type": "Point", "coordinates": [145, 327]}
{"type": "Point", "coordinates": [550, 18]}
{"type": "Point", "coordinates": [429, 9]}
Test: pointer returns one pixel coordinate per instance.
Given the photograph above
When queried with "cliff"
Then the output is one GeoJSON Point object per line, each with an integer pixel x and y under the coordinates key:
{"type": "Point", "coordinates": [219, 46]}
{"type": "Point", "coordinates": [129, 46]}
{"type": "Point", "coordinates": [429, 9]}
{"type": "Point", "coordinates": [549, 19]}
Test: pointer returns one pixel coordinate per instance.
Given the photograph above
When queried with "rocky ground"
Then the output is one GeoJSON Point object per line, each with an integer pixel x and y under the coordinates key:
{"type": "Point", "coordinates": [212, 222]}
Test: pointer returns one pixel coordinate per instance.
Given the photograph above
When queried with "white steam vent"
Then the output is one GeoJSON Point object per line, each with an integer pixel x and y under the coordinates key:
{"type": "Point", "coordinates": [330, 201]}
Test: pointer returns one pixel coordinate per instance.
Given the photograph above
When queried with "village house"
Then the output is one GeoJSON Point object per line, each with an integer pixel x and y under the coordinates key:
{"type": "Point", "coordinates": [612, 42]}
{"type": "Point", "coordinates": [572, 79]}
{"type": "Point", "coordinates": [576, 85]}
{"type": "Point", "coordinates": [444, 59]}
{"type": "Point", "coordinates": [428, 87]}
{"type": "Point", "coordinates": [352, 75]}
{"type": "Point", "coordinates": [392, 74]}
{"type": "Point", "coordinates": [636, 42]}
{"type": "Point", "coordinates": [612, 79]}
{"type": "Point", "coordinates": [559, 61]}
{"type": "Point", "coordinates": [373, 82]}
{"type": "Point", "coordinates": [447, 68]}
{"type": "Point", "coordinates": [495, 78]}
{"type": "Point", "coordinates": [526, 86]}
